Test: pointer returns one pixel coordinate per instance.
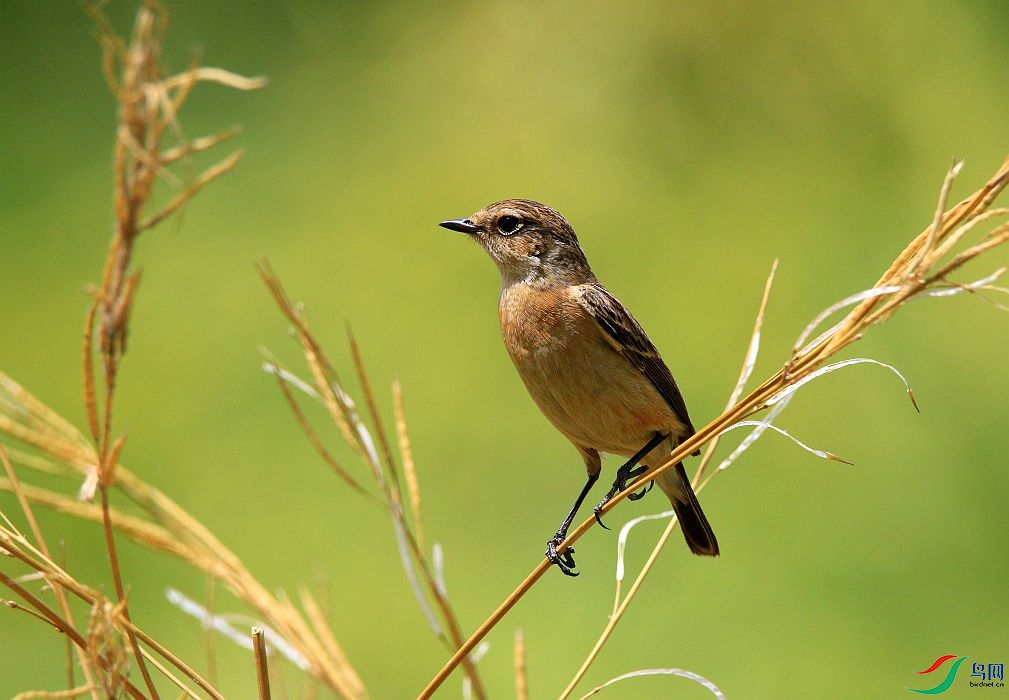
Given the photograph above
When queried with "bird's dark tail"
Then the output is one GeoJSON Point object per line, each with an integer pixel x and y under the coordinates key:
{"type": "Point", "coordinates": [696, 530]}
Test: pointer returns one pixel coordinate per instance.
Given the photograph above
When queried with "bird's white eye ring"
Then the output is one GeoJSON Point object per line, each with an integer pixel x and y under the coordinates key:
{"type": "Point", "coordinates": [508, 224]}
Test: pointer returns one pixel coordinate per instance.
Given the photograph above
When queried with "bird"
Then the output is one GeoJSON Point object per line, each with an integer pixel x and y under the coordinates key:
{"type": "Point", "coordinates": [586, 361]}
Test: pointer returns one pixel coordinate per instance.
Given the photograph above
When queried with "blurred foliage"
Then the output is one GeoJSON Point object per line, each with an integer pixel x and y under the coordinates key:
{"type": "Point", "coordinates": [689, 144]}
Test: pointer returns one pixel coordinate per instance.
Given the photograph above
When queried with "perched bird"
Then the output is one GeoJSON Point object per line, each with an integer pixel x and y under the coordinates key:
{"type": "Point", "coordinates": [585, 360]}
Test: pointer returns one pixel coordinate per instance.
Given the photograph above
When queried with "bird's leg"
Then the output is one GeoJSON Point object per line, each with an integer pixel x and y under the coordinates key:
{"type": "Point", "coordinates": [627, 473]}
{"type": "Point", "coordinates": [566, 561]}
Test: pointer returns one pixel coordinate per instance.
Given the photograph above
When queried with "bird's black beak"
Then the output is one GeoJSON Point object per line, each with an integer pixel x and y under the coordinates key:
{"type": "Point", "coordinates": [460, 225]}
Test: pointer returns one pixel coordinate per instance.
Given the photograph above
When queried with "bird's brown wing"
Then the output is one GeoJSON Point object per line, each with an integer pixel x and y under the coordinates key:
{"type": "Point", "coordinates": [629, 339]}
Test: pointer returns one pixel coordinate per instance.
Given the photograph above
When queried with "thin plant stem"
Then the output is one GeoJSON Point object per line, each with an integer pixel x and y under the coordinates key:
{"type": "Point", "coordinates": [521, 669]}
{"type": "Point", "coordinates": [117, 578]}
{"type": "Point", "coordinates": [64, 627]}
{"type": "Point", "coordinates": [209, 636]}
{"type": "Point", "coordinates": [61, 596]}
{"type": "Point", "coordinates": [749, 360]}
{"type": "Point", "coordinates": [618, 614]}
{"type": "Point", "coordinates": [343, 413]}
{"type": "Point", "coordinates": [164, 670]}
{"type": "Point", "coordinates": [262, 669]}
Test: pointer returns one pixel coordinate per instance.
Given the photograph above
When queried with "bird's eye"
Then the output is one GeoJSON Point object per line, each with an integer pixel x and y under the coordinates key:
{"type": "Point", "coordinates": [508, 225]}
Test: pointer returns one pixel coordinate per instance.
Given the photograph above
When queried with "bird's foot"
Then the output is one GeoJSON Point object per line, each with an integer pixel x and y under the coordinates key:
{"type": "Point", "coordinates": [565, 561]}
{"type": "Point", "coordinates": [624, 475]}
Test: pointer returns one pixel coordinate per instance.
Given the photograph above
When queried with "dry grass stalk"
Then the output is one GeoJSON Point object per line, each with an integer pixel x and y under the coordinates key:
{"type": "Point", "coordinates": [262, 668]}
{"type": "Point", "coordinates": [701, 680]}
{"type": "Point", "coordinates": [521, 670]}
{"type": "Point", "coordinates": [169, 529]}
{"type": "Point", "coordinates": [103, 642]}
{"type": "Point", "coordinates": [379, 461]}
{"type": "Point", "coordinates": [77, 692]}
{"type": "Point", "coordinates": [147, 109]}
{"type": "Point", "coordinates": [409, 468]}
{"type": "Point", "coordinates": [922, 268]}
{"type": "Point", "coordinates": [284, 385]}
{"type": "Point", "coordinates": [209, 638]}
{"type": "Point", "coordinates": [148, 105]}
{"type": "Point", "coordinates": [60, 594]}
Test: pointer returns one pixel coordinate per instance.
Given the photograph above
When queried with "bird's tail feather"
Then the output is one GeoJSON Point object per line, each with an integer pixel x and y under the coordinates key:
{"type": "Point", "coordinates": [696, 530]}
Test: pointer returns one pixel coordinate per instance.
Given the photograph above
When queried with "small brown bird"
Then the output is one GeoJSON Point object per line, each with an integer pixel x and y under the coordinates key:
{"type": "Point", "coordinates": [585, 360]}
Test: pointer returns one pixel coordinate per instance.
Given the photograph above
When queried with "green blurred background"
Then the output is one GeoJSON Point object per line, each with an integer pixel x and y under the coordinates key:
{"type": "Point", "coordinates": [690, 145]}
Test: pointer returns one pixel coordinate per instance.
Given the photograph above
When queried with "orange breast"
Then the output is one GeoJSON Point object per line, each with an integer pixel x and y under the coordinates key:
{"type": "Point", "coordinates": [588, 390]}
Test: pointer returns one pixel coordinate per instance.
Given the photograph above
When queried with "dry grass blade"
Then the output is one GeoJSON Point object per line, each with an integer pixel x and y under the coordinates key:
{"type": "Point", "coordinates": [145, 533]}
{"type": "Point", "coordinates": [379, 462]}
{"type": "Point", "coordinates": [322, 371]}
{"type": "Point", "coordinates": [14, 605]}
{"type": "Point", "coordinates": [822, 454]}
{"type": "Point", "coordinates": [313, 439]}
{"type": "Point", "coordinates": [689, 675]}
{"type": "Point", "coordinates": [56, 694]}
{"type": "Point", "coordinates": [322, 628]}
{"type": "Point", "coordinates": [394, 492]}
{"type": "Point", "coordinates": [199, 548]}
{"type": "Point", "coordinates": [100, 660]}
{"type": "Point", "coordinates": [940, 208]}
{"type": "Point", "coordinates": [213, 75]}
{"type": "Point", "coordinates": [409, 468]}
{"type": "Point", "coordinates": [161, 668]}
{"type": "Point", "coordinates": [745, 371]}
{"type": "Point", "coordinates": [61, 596]}
{"type": "Point", "coordinates": [183, 537]}
{"type": "Point", "coordinates": [181, 199]}
{"type": "Point", "coordinates": [107, 625]}
{"type": "Point", "coordinates": [25, 418]}
{"type": "Point", "coordinates": [204, 143]}
{"type": "Point", "coordinates": [954, 238]}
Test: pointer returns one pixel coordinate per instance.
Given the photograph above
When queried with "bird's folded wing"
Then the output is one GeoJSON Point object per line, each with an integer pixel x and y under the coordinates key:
{"type": "Point", "coordinates": [628, 338]}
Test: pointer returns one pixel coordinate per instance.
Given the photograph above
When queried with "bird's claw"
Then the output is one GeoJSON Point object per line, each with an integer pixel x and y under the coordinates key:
{"type": "Point", "coordinates": [623, 477]}
{"type": "Point", "coordinates": [597, 511]}
{"type": "Point", "coordinates": [566, 561]}
{"type": "Point", "coordinates": [641, 494]}
{"type": "Point", "coordinates": [626, 475]}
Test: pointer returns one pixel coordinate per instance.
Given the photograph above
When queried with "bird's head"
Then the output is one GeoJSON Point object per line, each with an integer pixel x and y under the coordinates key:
{"type": "Point", "coordinates": [529, 241]}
